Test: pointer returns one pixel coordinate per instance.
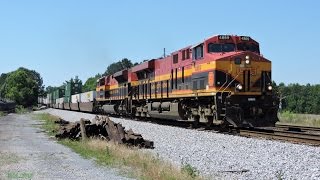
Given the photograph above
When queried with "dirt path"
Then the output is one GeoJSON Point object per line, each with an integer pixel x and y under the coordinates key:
{"type": "Point", "coordinates": [28, 153]}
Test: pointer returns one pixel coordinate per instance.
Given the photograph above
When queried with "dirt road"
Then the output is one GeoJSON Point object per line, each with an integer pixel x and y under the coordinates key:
{"type": "Point", "coordinates": [28, 153]}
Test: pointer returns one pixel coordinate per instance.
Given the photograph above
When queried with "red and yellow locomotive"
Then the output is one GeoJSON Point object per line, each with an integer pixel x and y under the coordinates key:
{"type": "Point", "coordinates": [223, 80]}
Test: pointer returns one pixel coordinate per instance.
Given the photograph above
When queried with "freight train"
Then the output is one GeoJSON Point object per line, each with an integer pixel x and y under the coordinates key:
{"type": "Point", "coordinates": [223, 81]}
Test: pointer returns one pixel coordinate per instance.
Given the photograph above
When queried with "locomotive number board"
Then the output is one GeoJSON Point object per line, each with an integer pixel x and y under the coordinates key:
{"type": "Point", "coordinates": [245, 38]}
{"type": "Point", "coordinates": [223, 37]}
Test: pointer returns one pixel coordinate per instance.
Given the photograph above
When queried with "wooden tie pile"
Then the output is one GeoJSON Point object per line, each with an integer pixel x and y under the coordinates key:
{"type": "Point", "coordinates": [101, 127]}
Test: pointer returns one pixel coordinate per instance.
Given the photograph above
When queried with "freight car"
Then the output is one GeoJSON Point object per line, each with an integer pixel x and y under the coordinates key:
{"type": "Point", "coordinates": [7, 105]}
{"type": "Point", "coordinates": [223, 81]}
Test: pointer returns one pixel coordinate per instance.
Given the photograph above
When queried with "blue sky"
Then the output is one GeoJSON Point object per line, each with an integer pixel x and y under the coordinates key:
{"type": "Point", "coordinates": [61, 39]}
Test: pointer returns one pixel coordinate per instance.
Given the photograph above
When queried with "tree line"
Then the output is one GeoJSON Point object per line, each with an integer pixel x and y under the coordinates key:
{"type": "Point", "coordinates": [298, 98]}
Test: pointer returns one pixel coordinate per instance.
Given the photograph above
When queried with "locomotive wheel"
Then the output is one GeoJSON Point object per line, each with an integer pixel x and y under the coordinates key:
{"type": "Point", "coordinates": [196, 121]}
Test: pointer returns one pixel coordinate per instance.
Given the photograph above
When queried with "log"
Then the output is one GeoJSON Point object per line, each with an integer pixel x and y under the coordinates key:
{"type": "Point", "coordinates": [83, 129]}
{"type": "Point", "coordinates": [114, 132]}
{"type": "Point", "coordinates": [61, 122]}
{"type": "Point", "coordinates": [121, 132]}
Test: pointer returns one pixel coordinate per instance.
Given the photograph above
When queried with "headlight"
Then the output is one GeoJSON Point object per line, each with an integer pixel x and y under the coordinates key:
{"type": "Point", "coordinates": [239, 87]}
{"type": "Point", "coordinates": [247, 59]}
{"type": "Point", "coordinates": [269, 87]}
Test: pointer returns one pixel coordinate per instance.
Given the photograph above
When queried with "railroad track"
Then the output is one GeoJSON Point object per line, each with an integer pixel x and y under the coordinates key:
{"type": "Point", "coordinates": [291, 136]}
{"type": "Point", "coordinates": [297, 128]}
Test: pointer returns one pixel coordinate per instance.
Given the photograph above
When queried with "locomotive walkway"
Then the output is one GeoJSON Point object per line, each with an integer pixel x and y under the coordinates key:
{"type": "Point", "coordinates": [27, 153]}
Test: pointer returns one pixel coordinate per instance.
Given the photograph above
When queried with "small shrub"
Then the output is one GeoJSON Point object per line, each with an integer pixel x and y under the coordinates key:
{"type": "Point", "coordinates": [2, 114]}
{"type": "Point", "coordinates": [190, 170]}
{"type": "Point", "coordinates": [279, 175]}
{"type": "Point", "coordinates": [20, 109]}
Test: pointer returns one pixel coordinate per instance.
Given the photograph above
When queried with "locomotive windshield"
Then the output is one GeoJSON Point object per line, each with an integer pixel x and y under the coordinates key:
{"type": "Point", "coordinates": [213, 47]}
{"type": "Point", "coordinates": [248, 47]}
{"type": "Point", "coordinates": [229, 47]}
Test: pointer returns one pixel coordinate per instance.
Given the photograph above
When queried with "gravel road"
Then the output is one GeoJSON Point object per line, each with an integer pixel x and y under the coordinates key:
{"type": "Point", "coordinates": [28, 153]}
{"type": "Point", "coordinates": [222, 156]}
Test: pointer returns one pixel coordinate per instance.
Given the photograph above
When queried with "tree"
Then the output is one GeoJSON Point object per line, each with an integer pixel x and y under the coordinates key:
{"type": "Point", "coordinates": [118, 66]}
{"type": "Point", "coordinates": [90, 84]}
{"type": "Point", "coordinates": [23, 86]}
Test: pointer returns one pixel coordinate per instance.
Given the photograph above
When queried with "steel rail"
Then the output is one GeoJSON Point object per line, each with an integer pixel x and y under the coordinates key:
{"type": "Point", "coordinates": [298, 137]}
{"type": "Point", "coordinates": [296, 127]}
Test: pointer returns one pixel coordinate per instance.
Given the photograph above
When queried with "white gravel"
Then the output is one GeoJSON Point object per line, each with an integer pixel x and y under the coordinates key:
{"type": "Point", "coordinates": [220, 156]}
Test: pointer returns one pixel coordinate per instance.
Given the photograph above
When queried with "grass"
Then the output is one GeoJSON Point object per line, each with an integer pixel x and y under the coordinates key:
{"type": "Point", "coordinates": [48, 123]}
{"type": "Point", "coordinates": [2, 114]}
{"type": "Point", "coordinates": [190, 170]}
{"type": "Point", "coordinates": [20, 109]}
{"type": "Point", "coordinates": [287, 117]}
{"type": "Point", "coordinates": [132, 161]}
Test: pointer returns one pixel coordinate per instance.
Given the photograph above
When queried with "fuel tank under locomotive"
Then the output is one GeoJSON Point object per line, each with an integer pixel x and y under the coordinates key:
{"type": "Point", "coordinates": [166, 110]}
{"type": "Point", "coordinates": [114, 109]}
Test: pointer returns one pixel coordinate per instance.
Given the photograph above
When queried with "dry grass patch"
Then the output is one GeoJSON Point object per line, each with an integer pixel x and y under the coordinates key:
{"type": "Point", "coordinates": [136, 163]}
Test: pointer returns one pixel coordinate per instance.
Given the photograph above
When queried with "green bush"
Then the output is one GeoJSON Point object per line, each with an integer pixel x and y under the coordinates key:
{"type": "Point", "coordinates": [20, 109]}
{"type": "Point", "coordinates": [190, 170]}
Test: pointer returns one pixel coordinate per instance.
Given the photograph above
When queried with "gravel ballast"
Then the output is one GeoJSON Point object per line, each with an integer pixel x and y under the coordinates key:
{"type": "Point", "coordinates": [220, 156]}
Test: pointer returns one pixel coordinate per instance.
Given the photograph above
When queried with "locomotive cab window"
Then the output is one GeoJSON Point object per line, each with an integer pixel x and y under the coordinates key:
{"type": "Point", "coordinates": [102, 82]}
{"type": "Point", "coordinates": [213, 47]}
{"type": "Point", "coordinates": [248, 47]}
{"type": "Point", "coordinates": [197, 52]}
{"type": "Point", "coordinates": [175, 58]}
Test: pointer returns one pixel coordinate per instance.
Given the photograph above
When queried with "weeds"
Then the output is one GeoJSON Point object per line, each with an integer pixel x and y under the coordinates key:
{"type": "Point", "coordinates": [20, 109]}
{"type": "Point", "coordinates": [48, 123]}
{"type": "Point", "coordinates": [2, 114]}
{"type": "Point", "coordinates": [190, 170]}
{"type": "Point", "coordinates": [279, 175]}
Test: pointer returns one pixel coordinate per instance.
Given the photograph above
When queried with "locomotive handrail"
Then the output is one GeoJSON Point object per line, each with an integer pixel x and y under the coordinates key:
{"type": "Point", "coordinates": [224, 83]}
{"type": "Point", "coordinates": [230, 83]}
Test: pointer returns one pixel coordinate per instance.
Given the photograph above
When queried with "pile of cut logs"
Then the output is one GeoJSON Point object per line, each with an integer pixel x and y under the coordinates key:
{"type": "Point", "coordinates": [101, 127]}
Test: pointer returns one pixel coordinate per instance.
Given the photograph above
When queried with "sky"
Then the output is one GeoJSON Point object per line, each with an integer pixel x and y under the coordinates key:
{"type": "Point", "coordinates": [61, 39]}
